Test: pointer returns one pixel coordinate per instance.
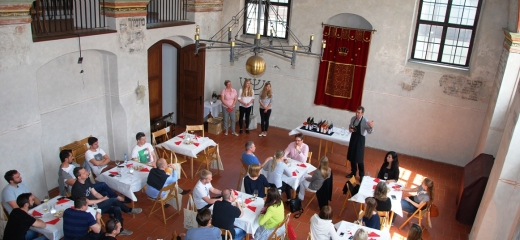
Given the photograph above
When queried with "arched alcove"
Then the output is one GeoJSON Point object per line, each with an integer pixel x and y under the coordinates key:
{"type": "Point", "coordinates": [349, 20]}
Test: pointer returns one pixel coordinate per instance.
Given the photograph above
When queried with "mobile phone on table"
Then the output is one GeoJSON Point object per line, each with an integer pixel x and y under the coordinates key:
{"type": "Point", "coordinates": [342, 234]}
{"type": "Point", "coordinates": [393, 197]}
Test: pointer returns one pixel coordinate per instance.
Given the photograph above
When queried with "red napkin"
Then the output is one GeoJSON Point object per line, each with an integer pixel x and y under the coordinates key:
{"type": "Point", "coordinates": [196, 144]}
{"type": "Point", "coordinates": [144, 170]}
{"type": "Point", "coordinates": [294, 174]}
{"type": "Point", "coordinates": [62, 201]}
{"type": "Point", "coordinates": [114, 173]}
{"type": "Point", "coordinates": [230, 109]}
{"type": "Point", "coordinates": [301, 165]}
{"type": "Point", "coordinates": [180, 136]}
{"type": "Point", "coordinates": [235, 192]}
{"type": "Point", "coordinates": [54, 221]}
{"type": "Point", "coordinates": [129, 165]}
{"type": "Point", "coordinates": [252, 208]}
{"type": "Point", "coordinates": [374, 187]}
{"type": "Point", "coordinates": [396, 187]}
{"type": "Point", "coordinates": [178, 143]}
{"type": "Point", "coordinates": [248, 201]}
{"type": "Point", "coordinates": [373, 234]}
{"type": "Point", "coordinates": [377, 180]}
{"type": "Point", "coordinates": [37, 214]}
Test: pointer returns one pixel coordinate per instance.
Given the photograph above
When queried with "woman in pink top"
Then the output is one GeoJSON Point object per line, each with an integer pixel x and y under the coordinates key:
{"type": "Point", "coordinates": [229, 99]}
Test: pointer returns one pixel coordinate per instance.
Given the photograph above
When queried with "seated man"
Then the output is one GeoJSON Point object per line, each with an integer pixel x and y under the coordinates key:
{"type": "Point", "coordinates": [17, 227]}
{"type": "Point", "coordinates": [158, 178]}
{"type": "Point", "coordinates": [13, 190]}
{"type": "Point", "coordinates": [225, 212]}
{"type": "Point", "coordinates": [201, 195]}
{"type": "Point", "coordinates": [83, 188]}
{"type": "Point", "coordinates": [113, 228]}
{"type": "Point", "coordinates": [205, 230]}
{"type": "Point", "coordinates": [297, 150]}
{"type": "Point", "coordinates": [143, 151]}
{"type": "Point", "coordinates": [66, 178]}
{"type": "Point", "coordinates": [77, 222]}
{"type": "Point", "coordinates": [95, 158]}
{"type": "Point", "coordinates": [248, 157]}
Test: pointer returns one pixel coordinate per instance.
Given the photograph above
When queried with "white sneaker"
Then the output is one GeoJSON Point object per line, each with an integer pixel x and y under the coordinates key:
{"type": "Point", "coordinates": [261, 134]}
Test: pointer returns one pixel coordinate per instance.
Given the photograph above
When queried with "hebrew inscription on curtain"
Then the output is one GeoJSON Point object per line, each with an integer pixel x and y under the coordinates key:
{"type": "Point", "coordinates": [343, 68]}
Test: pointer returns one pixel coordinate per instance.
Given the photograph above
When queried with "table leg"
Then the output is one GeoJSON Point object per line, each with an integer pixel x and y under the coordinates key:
{"type": "Point", "coordinates": [319, 151]}
{"type": "Point", "coordinates": [326, 148]}
{"type": "Point", "coordinates": [191, 168]}
{"type": "Point", "coordinates": [247, 236]}
{"type": "Point", "coordinates": [133, 205]}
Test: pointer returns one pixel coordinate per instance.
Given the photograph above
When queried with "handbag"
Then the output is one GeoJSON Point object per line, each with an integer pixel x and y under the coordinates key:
{"type": "Point", "coordinates": [190, 215]}
{"type": "Point", "coordinates": [295, 205]}
{"type": "Point", "coordinates": [434, 211]}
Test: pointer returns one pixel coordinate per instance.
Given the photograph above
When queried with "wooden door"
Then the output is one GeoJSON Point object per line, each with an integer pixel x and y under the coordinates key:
{"type": "Point", "coordinates": [191, 86]}
{"type": "Point", "coordinates": [155, 80]}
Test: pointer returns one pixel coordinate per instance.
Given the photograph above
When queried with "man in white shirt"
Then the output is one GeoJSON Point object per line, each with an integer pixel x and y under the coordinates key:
{"type": "Point", "coordinates": [13, 190]}
{"type": "Point", "coordinates": [144, 151]}
{"type": "Point", "coordinates": [201, 192]}
{"type": "Point", "coordinates": [95, 158]}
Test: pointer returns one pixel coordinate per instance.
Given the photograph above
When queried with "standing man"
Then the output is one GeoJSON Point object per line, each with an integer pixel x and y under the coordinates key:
{"type": "Point", "coordinates": [83, 188]}
{"type": "Point", "coordinates": [113, 228]}
{"type": "Point", "coordinates": [17, 227]}
{"type": "Point", "coordinates": [359, 127]}
{"type": "Point", "coordinates": [13, 190]}
{"type": "Point", "coordinates": [201, 195]}
{"type": "Point", "coordinates": [77, 222]}
{"type": "Point", "coordinates": [248, 157]}
{"type": "Point", "coordinates": [95, 158]}
{"type": "Point", "coordinates": [144, 151]}
{"type": "Point", "coordinates": [224, 214]}
{"type": "Point", "coordinates": [297, 150]}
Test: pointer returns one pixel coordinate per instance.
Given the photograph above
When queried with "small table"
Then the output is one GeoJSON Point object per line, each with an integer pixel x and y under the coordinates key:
{"type": "Point", "coordinates": [215, 109]}
{"type": "Point", "coordinates": [301, 172]}
{"type": "Point", "coordinates": [367, 190]}
{"type": "Point", "coordinates": [349, 229]}
{"type": "Point", "coordinates": [54, 231]}
{"type": "Point", "coordinates": [339, 136]}
{"type": "Point", "coordinates": [188, 150]}
{"type": "Point", "coordinates": [127, 183]}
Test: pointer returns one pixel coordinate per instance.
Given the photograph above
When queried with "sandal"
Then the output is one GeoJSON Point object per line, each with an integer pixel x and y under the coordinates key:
{"type": "Point", "coordinates": [236, 134]}
{"type": "Point", "coordinates": [225, 133]}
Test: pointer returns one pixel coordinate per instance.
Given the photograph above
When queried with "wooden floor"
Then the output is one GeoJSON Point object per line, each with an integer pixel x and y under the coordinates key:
{"type": "Point", "coordinates": [446, 177]}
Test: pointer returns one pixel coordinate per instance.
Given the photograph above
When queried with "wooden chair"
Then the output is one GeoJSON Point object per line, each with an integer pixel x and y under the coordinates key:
{"type": "Point", "coordinates": [171, 192]}
{"type": "Point", "coordinates": [312, 198]}
{"type": "Point", "coordinates": [78, 149]}
{"type": "Point", "coordinates": [168, 154]}
{"type": "Point", "coordinates": [160, 133]}
{"type": "Point", "coordinates": [4, 212]}
{"type": "Point", "coordinates": [419, 214]}
{"type": "Point", "coordinates": [348, 195]}
{"type": "Point", "coordinates": [211, 154]}
{"type": "Point", "coordinates": [226, 233]}
{"type": "Point", "coordinates": [195, 128]}
{"type": "Point", "coordinates": [243, 172]}
{"type": "Point", "coordinates": [275, 236]}
{"type": "Point", "coordinates": [385, 218]}
{"type": "Point", "coordinates": [309, 158]}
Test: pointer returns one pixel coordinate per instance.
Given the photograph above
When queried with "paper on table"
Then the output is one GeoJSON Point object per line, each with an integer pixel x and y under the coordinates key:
{"type": "Point", "coordinates": [112, 172]}
{"type": "Point", "coordinates": [252, 208]}
{"type": "Point", "coordinates": [196, 144]}
{"type": "Point", "coordinates": [129, 165]}
{"type": "Point", "coordinates": [64, 200]}
{"type": "Point", "coordinates": [373, 234]}
{"type": "Point", "coordinates": [377, 180]}
{"type": "Point", "coordinates": [301, 165]}
{"type": "Point", "coordinates": [178, 142]}
{"type": "Point", "coordinates": [144, 170]}
{"type": "Point", "coordinates": [36, 213]}
{"type": "Point", "coordinates": [248, 201]}
{"type": "Point", "coordinates": [294, 174]}
{"type": "Point", "coordinates": [54, 221]}
{"type": "Point", "coordinates": [180, 136]}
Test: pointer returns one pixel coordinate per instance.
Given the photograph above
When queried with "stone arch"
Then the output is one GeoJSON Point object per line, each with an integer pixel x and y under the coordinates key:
{"type": "Point", "coordinates": [349, 20]}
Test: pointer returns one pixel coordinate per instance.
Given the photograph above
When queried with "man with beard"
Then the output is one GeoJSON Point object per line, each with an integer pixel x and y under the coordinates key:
{"type": "Point", "coordinates": [13, 190]}
{"type": "Point", "coordinates": [17, 227]}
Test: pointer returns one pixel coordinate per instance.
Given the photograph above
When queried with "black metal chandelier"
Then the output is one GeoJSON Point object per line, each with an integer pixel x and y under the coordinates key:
{"type": "Point", "coordinates": [238, 44]}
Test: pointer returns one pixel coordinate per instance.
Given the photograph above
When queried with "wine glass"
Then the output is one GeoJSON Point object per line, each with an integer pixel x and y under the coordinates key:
{"type": "Point", "coordinates": [117, 163]}
{"type": "Point", "coordinates": [386, 176]}
{"type": "Point", "coordinates": [131, 170]}
{"type": "Point", "coordinates": [255, 193]}
{"type": "Point", "coordinates": [45, 205]}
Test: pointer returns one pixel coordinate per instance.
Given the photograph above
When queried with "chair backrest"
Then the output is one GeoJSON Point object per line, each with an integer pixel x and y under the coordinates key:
{"type": "Point", "coordinates": [212, 153]}
{"type": "Point", "coordinates": [195, 128]}
{"type": "Point", "coordinates": [245, 167]}
{"type": "Point", "coordinates": [309, 157]}
{"type": "Point", "coordinates": [275, 236]}
{"type": "Point", "coordinates": [171, 190]}
{"type": "Point", "coordinates": [226, 233]}
{"type": "Point", "coordinates": [159, 133]}
{"type": "Point", "coordinates": [384, 219]}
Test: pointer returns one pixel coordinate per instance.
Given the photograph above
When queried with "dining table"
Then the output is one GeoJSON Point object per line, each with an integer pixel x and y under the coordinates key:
{"type": "Point", "coordinates": [346, 230]}
{"type": "Point", "coordinates": [298, 172]}
{"type": "Point", "coordinates": [120, 179]}
{"type": "Point", "coordinates": [215, 108]}
{"type": "Point", "coordinates": [367, 187]}
{"type": "Point", "coordinates": [180, 145]}
{"type": "Point", "coordinates": [54, 227]}
{"type": "Point", "coordinates": [339, 136]}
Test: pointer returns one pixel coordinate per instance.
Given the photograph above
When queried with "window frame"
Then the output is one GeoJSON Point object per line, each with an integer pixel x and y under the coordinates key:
{"type": "Point", "coordinates": [445, 25]}
{"type": "Point", "coordinates": [266, 32]}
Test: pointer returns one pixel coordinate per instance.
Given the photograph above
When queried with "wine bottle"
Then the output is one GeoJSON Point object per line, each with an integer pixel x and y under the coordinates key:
{"type": "Point", "coordinates": [330, 128]}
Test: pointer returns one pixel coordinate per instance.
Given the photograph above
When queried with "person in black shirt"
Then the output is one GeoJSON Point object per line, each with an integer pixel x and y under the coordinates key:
{"type": "Point", "coordinates": [113, 228]}
{"type": "Point", "coordinates": [224, 214]}
{"type": "Point", "coordinates": [383, 202]}
{"type": "Point", "coordinates": [255, 181]}
{"type": "Point", "coordinates": [112, 206]}
{"type": "Point", "coordinates": [17, 227]}
{"type": "Point", "coordinates": [390, 167]}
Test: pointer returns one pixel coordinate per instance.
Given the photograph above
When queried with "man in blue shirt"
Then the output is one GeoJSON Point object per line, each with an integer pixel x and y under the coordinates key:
{"type": "Point", "coordinates": [248, 157]}
{"type": "Point", "coordinates": [77, 221]}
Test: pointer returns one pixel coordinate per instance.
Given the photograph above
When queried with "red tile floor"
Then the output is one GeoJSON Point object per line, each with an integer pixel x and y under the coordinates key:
{"type": "Point", "coordinates": [446, 177]}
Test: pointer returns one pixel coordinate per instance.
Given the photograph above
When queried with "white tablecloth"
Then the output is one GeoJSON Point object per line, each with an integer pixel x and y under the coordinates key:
{"type": "Point", "coordinates": [294, 181]}
{"type": "Point", "coordinates": [349, 229]}
{"type": "Point", "coordinates": [367, 190]}
{"type": "Point", "coordinates": [185, 149]}
{"type": "Point", "coordinates": [249, 221]}
{"type": "Point", "coordinates": [127, 183]}
{"type": "Point", "coordinates": [338, 136]}
{"type": "Point", "coordinates": [54, 231]}
{"type": "Point", "coordinates": [214, 108]}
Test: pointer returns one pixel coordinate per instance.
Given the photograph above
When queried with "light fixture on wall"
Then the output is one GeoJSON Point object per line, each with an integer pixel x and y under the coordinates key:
{"type": "Point", "coordinates": [255, 65]}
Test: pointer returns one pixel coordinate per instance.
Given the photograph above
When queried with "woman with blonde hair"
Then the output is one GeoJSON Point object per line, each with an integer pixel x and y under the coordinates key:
{"type": "Point", "coordinates": [370, 216]}
{"type": "Point", "coordinates": [271, 215]}
{"type": "Point", "coordinates": [274, 168]}
{"type": "Point", "coordinates": [255, 181]}
{"type": "Point", "coordinates": [380, 194]}
{"type": "Point", "coordinates": [246, 99]}
{"type": "Point", "coordinates": [321, 225]}
{"type": "Point", "coordinates": [315, 181]}
{"type": "Point", "coordinates": [415, 232]}
{"type": "Point", "coordinates": [425, 194]}
{"type": "Point", "coordinates": [360, 234]}
{"type": "Point", "coordinates": [266, 101]}
{"type": "Point", "coordinates": [229, 99]}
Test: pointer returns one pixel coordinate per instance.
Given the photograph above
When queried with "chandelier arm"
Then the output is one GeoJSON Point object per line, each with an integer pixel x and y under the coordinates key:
{"type": "Point", "coordinates": [277, 53]}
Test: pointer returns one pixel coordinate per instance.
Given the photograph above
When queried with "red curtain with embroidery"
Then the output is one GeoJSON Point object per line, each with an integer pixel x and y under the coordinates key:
{"type": "Point", "coordinates": [343, 67]}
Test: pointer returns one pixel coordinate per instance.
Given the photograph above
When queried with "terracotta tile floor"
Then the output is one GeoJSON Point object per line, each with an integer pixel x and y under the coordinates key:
{"type": "Point", "coordinates": [446, 178]}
